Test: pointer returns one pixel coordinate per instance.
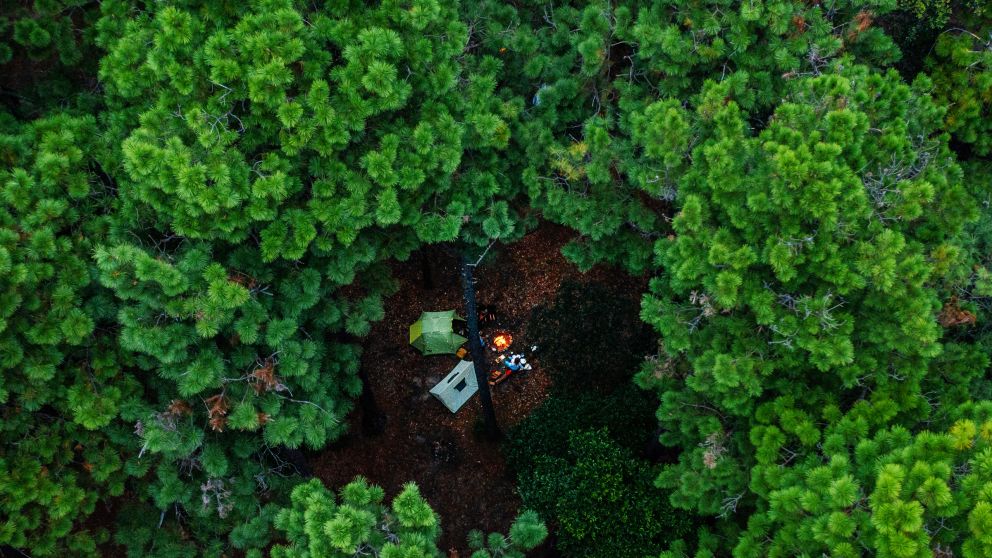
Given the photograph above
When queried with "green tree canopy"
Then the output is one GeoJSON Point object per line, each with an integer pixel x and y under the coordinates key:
{"type": "Point", "coordinates": [266, 156]}
{"type": "Point", "coordinates": [892, 494]}
{"type": "Point", "coordinates": [197, 227]}
{"type": "Point", "coordinates": [961, 67]}
{"type": "Point", "coordinates": [63, 381]}
{"type": "Point", "coordinates": [803, 271]}
{"type": "Point", "coordinates": [318, 525]}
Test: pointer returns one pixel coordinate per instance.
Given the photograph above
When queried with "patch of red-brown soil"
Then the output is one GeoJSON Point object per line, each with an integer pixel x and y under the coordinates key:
{"type": "Point", "coordinates": [459, 472]}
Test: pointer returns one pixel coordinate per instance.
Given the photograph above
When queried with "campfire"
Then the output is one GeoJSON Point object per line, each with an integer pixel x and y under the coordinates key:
{"type": "Point", "coordinates": [502, 342]}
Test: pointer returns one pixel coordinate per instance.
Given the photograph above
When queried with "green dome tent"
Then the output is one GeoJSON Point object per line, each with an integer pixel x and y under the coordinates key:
{"type": "Point", "coordinates": [433, 333]}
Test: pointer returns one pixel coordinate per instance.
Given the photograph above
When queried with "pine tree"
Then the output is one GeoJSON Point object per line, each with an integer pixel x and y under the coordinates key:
{"type": "Point", "coordinates": [318, 525]}
{"type": "Point", "coordinates": [595, 149]}
{"type": "Point", "coordinates": [63, 382]}
{"type": "Point", "coordinates": [887, 494]}
{"type": "Point", "coordinates": [802, 276]}
{"type": "Point", "coordinates": [268, 157]}
{"type": "Point", "coordinates": [191, 253]}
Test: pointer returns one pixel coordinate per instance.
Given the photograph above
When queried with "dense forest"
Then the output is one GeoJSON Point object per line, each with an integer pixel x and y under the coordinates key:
{"type": "Point", "coordinates": [749, 243]}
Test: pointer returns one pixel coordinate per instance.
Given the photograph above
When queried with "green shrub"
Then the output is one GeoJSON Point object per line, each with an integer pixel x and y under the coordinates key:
{"type": "Point", "coordinates": [603, 500]}
{"type": "Point", "coordinates": [591, 337]}
{"type": "Point", "coordinates": [628, 414]}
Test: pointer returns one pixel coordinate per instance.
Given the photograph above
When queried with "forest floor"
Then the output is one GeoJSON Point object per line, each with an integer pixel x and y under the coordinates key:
{"type": "Point", "coordinates": [459, 472]}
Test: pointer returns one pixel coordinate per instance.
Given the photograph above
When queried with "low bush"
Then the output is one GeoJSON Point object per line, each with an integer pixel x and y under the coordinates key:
{"type": "Point", "coordinates": [603, 500]}
{"type": "Point", "coordinates": [628, 414]}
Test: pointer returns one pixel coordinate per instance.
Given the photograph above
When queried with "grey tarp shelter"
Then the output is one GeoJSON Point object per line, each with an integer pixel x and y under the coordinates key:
{"type": "Point", "coordinates": [457, 387]}
{"type": "Point", "coordinates": [433, 333]}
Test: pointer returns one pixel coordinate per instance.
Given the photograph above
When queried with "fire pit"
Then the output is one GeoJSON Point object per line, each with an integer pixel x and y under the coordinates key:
{"type": "Point", "coordinates": [501, 342]}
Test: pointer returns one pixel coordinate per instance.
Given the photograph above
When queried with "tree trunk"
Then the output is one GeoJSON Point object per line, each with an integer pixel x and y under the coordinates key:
{"type": "Point", "coordinates": [478, 354]}
{"type": "Point", "coordinates": [373, 419]}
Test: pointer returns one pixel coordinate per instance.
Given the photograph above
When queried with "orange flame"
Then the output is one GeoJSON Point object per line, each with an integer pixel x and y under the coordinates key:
{"type": "Point", "coordinates": [502, 341]}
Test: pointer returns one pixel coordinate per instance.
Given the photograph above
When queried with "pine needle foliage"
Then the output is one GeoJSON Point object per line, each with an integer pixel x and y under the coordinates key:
{"type": "Point", "coordinates": [359, 522]}
{"type": "Point", "coordinates": [63, 380]}
{"type": "Point", "coordinates": [198, 221]}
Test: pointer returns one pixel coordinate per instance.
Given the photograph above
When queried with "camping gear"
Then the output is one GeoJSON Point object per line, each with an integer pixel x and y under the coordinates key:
{"type": "Point", "coordinates": [487, 315]}
{"type": "Point", "coordinates": [515, 363]}
{"type": "Point", "coordinates": [433, 333]}
{"type": "Point", "coordinates": [457, 387]}
{"type": "Point", "coordinates": [497, 376]}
